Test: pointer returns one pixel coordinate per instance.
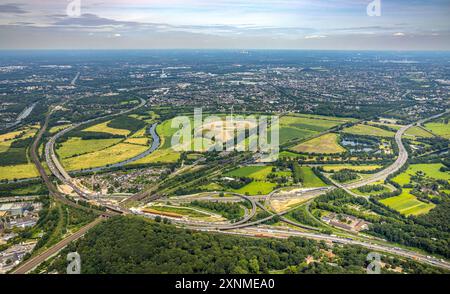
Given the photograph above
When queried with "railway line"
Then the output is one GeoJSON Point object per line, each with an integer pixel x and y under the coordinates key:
{"type": "Point", "coordinates": [245, 224]}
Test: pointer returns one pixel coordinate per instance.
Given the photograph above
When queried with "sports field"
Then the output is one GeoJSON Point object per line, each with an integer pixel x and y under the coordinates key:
{"type": "Point", "coordinates": [325, 144]}
{"type": "Point", "coordinates": [430, 170]}
{"type": "Point", "coordinates": [408, 204]}
{"type": "Point", "coordinates": [367, 130]}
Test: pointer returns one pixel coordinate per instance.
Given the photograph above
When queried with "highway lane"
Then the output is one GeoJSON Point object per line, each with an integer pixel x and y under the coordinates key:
{"type": "Point", "coordinates": [401, 160]}
{"type": "Point", "coordinates": [370, 245]}
{"type": "Point", "coordinates": [55, 165]}
{"type": "Point", "coordinates": [33, 262]}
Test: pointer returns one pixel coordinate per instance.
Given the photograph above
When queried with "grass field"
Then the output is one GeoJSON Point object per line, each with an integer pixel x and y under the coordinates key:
{"type": "Point", "coordinates": [297, 127]}
{"type": "Point", "coordinates": [439, 128]}
{"type": "Point", "coordinates": [159, 156]}
{"type": "Point", "coordinates": [164, 154]}
{"type": "Point", "coordinates": [415, 132]}
{"type": "Point", "coordinates": [310, 180]}
{"type": "Point", "coordinates": [290, 133]}
{"type": "Point", "coordinates": [408, 204]}
{"type": "Point", "coordinates": [367, 130]}
{"type": "Point", "coordinates": [256, 188]}
{"type": "Point", "coordinates": [14, 146]}
{"type": "Point", "coordinates": [254, 172]}
{"type": "Point", "coordinates": [325, 144]}
{"type": "Point", "coordinates": [338, 167]}
{"type": "Point", "coordinates": [103, 128]}
{"type": "Point", "coordinates": [19, 171]}
{"type": "Point", "coordinates": [430, 170]}
{"type": "Point", "coordinates": [111, 155]}
{"type": "Point", "coordinates": [77, 146]}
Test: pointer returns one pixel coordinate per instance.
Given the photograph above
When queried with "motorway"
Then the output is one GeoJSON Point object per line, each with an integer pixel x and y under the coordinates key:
{"type": "Point", "coordinates": [244, 225]}
{"type": "Point", "coordinates": [55, 165]}
{"type": "Point", "coordinates": [274, 232]}
{"type": "Point", "coordinates": [33, 262]}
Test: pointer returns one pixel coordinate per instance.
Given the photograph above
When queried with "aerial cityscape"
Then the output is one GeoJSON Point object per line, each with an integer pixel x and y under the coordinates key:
{"type": "Point", "coordinates": [221, 160]}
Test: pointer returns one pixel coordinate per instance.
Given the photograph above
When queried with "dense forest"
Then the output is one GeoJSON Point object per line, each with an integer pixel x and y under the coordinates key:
{"type": "Point", "coordinates": [136, 245]}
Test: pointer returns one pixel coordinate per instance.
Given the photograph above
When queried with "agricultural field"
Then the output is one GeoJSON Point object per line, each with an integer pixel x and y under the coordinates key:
{"type": "Point", "coordinates": [138, 141]}
{"type": "Point", "coordinates": [161, 156]}
{"type": "Point", "coordinates": [104, 128]}
{"type": "Point", "coordinates": [297, 127]}
{"type": "Point", "coordinates": [256, 188]}
{"type": "Point", "coordinates": [288, 134]}
{"type": "Point", "coordinates": [78, 146]}
{"type": "Point", "coordinates": [56, 129]}
{"type": "Point", "coordinates": [309, 178]}
{"type": "Point", "coordinates": [408, 204]}
{"type": "Point", "coordinates": [368, 130]}
{"type": "Point", "coordinates": [439, 128]}
{"type": "Point", "coordinates": [260, 185]}
{"type": "Point", "coordinates": [14, 159]}
{"type": "Point", "coordinates": [165, 153]}
{"type": "Point", "coordinates": [325, 144]}
{"type": "Point", "coordinates": [338, 167]}
{"type": "Point", "coordinates": [114, 154]}
{"type": "Point", "coordinates": [253, 172]}
{"type": "Point", "coordinates": [416, 132]}
{"type": "Point", "coordinates": [429, 169]}
{"type": "Point", "coordinates": [18, 171]}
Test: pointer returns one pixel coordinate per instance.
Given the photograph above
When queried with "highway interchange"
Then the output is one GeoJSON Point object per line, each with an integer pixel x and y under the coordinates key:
{"type": "Point", "coordinates": [242, 227]}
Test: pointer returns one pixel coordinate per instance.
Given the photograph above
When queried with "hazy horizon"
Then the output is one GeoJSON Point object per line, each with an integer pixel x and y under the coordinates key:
{"type": "Point", "coordinates": [225, 24]}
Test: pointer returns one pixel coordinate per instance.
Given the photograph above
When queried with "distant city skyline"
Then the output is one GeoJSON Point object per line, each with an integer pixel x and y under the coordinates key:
{"type": "Point", "coordinates": [224, 24]}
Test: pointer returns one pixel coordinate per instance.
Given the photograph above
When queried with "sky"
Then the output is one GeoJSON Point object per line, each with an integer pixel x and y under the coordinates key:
{"type": "Point", "coordinates": [225, 24]}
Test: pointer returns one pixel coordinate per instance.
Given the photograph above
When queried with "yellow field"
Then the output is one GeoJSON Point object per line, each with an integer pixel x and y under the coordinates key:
{"type": "Point", "coordinates": [9, 136]}
{"type": "Point", "coordinates": [56, 129]}
{"type": "Point", "coordinates": [138, 141]}
{"type": "Point", "coordinates": [139, 134]}
{"type": "Point", "coordinates": [28, 132]}
{"type": "Point", "coordinates": [103, 128]}
{"type": "Point", "coordinates": [77, 146]}
{"type": "Point", "coordinates": [327, 144]}
{"type": "Point", "coordinates": [114, 154]}
{"type": "Point", "coordinates": [20, 171]}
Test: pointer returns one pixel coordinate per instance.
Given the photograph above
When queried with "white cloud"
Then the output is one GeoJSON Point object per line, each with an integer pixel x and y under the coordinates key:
{"type": "Point", "coordinates": [399, 34]}
{"type": "Point", "coordinates": [315, 37]}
